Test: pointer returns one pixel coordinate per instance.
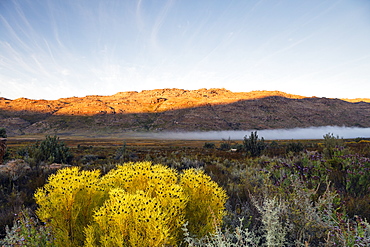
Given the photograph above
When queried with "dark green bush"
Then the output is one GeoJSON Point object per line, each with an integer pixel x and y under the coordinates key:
{"type": "Point", "coordinates": [254, 146]}
{"type": "Point", "coordinates": [3, 133]}
{"type": "Point", "coordinates": [274, 149]}
{"type": "Point", "coordinates": [27, 231]}
{"type": "Point", "coordinates": [121, 153]}
{"type": "Point", "coordinates": [294, 147]}
{"type": "Point", "coordinates": [225, 144]}
{"type": "Point", "coordinates": [50, 150]}
{"type": "Point", "coordinates": [331, 145]}
{"type": "Point", "coordinates": [209, 145]}
{"type": "Point", "coordinates": [16, 191]}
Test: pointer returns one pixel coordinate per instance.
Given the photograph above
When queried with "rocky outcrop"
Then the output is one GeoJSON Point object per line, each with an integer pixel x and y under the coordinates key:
{"type": "Point", "coordinates": [146, 101]}
{"type": "Point", "coordinates": [178, 110]}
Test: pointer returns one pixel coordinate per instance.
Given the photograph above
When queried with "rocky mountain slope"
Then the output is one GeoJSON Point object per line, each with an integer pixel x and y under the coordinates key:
{"type": "Point", "coordinates": [178, 110]}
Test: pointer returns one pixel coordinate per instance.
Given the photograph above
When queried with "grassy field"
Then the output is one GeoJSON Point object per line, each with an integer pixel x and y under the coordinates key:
{"type": "Point", "coordinates": [296, 193]}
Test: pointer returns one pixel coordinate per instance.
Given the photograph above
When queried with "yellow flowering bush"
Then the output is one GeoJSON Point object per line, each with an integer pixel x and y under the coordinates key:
{"type": "Point", "coordinates": [67, 203]}
{"type": "Point", "coordinates": [133, 219]}
{"type": "Point", "coordinates": [136, 204]}
{"type": "Point", "coordinates": [156, 183]}
{"type": "Point", "coordinates": [205, 208]}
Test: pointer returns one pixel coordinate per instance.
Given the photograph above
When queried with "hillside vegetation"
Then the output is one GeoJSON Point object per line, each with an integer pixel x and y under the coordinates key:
{"type": "Point", "coordinates": [173, 193]}
{"type": "Point", "coordinates": [178, 110]}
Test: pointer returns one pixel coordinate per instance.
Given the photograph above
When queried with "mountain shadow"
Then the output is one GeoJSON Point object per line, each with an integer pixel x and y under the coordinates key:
{"type": "Point", "coordinates": [272, 112]}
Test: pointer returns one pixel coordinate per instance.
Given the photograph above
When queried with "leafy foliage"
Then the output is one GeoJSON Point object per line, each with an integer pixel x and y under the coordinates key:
{"type": "Point", "coordinates": [3, 133]}
{"type": "Point", "coordinates": [297, 198]}
{"type": "Point", "coordinates": [225, 144]}
{"type": "Point", "coordinates": [121, 153]}
{"type": "Point", "coordinates": [209, 145]}
{"type": "Point", "coordinates": [294, 147]}
{"type": "Point", "coordinates": [253, 145]}
{"type": "Point", "coordinates": [50, 150]}
{"type": "Point", "coordinates": [332, 144]}
{"type": "Point", "coordinates": [28, 231]}
{"type": "Point", "coordinates": [239, 237]}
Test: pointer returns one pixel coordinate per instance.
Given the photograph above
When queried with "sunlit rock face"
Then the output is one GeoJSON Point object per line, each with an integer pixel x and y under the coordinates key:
{"type": "Point", "coordinates": [133, 102]}
{"type": "Point", "coordinates": [179, 110]}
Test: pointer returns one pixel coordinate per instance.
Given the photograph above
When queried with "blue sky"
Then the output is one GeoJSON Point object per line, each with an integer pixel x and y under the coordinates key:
{"type": "Point", "coordinates": [51, 49]}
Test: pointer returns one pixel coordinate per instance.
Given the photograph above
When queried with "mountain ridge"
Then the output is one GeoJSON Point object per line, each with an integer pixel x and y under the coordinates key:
{"type": "Point", "coordinates": [179, 110]}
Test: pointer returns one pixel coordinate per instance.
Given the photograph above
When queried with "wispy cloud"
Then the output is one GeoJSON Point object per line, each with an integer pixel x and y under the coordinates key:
{"type": "Point", "coordinates": [158, 23]}
{"type": "Point", "coordinates": [134, 45]}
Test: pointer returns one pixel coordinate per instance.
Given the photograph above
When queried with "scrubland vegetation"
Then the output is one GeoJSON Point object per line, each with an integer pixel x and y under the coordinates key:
{"type": "Point", "coordinates": [226, 193]}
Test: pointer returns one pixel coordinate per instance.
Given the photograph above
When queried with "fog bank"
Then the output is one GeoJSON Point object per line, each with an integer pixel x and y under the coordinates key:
{"type": "Point", "coordinates": [275, 134]}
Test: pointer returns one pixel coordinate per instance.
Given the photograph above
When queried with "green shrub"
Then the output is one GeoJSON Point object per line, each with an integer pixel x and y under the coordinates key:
{"type": "Point", "coordinates": [225, 146]}
{"type": "Point", "coordinates": [331, 145]}
{"type": "Point", "coordinates": [50, 150]}
{"type": "Point", "coordinates": [351, 233]}
{"type": "Point", "coordinates": [274, 227]}
{"type": "Point", "coordinates": [253, 145]}
{"type": "Point", "coordinates": [237, 146]}
{"type": "Point", "coordinates": [209, 145]}
{"type": "Point", "coordinates": [3, 133]}
{"type": "Point", "coordinates": [27, 231]}
{"type": "Point", "coordinates": [274, 149]}
{"type": "Point", "coordinates": [294, 147]}
{"type": "Point", "coordinates": [239, 237]}
{"type": "Point", "coordinates": [121, 153]}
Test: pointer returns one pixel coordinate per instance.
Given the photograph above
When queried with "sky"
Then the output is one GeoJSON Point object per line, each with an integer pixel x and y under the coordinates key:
{"type": "Point", "coordinates": [52, 49]}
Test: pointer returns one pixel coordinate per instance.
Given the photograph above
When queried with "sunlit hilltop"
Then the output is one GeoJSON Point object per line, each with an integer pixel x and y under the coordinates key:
{"type": "Point", "coordinates": [179, 110]}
